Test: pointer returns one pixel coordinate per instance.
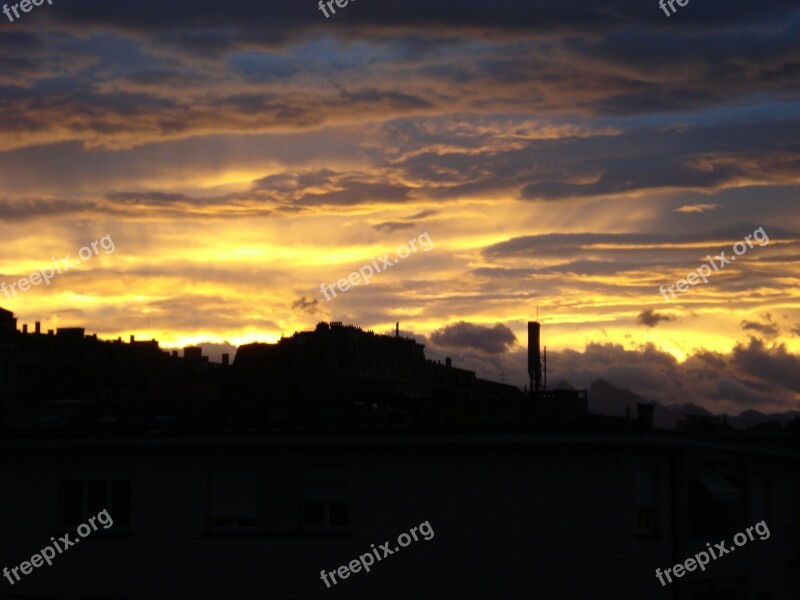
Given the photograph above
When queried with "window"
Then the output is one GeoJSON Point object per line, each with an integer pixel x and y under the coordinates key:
{"type": "Point", "coordinates": [719, 589]}
{"type": "Point", "coordinates": [280, 500]}
{"type": "Point", "coordinates": [760, 499]}
{"type": "Point", "coordinates": [793, 577]}
{"type": "Point", "coordinates": [716, 502]}
{"type": "Point", "coordinates": [83, 499]}
{"type": "Point", "coordinates": [326, 515]}
{"type": "Point", "coordinates": [326, 505]}
{"type": "Point", "coordinates": [233, 500]}
{"type": "Point", "coordinates": [792, 501]}
{"type": "Point", "coordinates": [646, 496]}
{"type": "Point", "coordinates": [48, 419]}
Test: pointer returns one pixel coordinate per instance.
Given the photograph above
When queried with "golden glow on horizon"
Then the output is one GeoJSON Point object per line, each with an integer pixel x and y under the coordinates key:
{"type": "Point", "coordinates": [224, 275]}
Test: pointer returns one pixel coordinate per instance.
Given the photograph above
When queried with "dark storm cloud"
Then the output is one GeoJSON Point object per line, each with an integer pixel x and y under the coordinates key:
{"type": "Point", "coordinates": [357, 192]}
{"type": "Point", "coordinates": [703, 157]}
{"type": "Point", "coordinates": [307, 305]}
{"type": "Point", "coordinates": [148, 198]}
{"type": "Point", "coordinates": [491, 340]}
{"type": "Point", "coordinates": [753, 376]}
{"type": "Point", "coordinates": [16, 39]}
{"type": "Point", "coordinates": [132, 204]}
{"type": "Point", "coordinates": [544, 57]}
{"type": "Point", "coordinates": [625, 174]}
{"type": "Point", "coordinates": [768, 329]}
{"type": "Point", "coordinates": [157, 76]}
{"type": "Point", "coordinates": [650, 318]}
{"type": "Point", "coordinates": [285, 18]}
{"type": "Point", "coordinates": [409, 222]}
{"type": "Point", "coordinates": [23, 210]}
{"type": "Point", "coordinates": [566, 244]}
{"type": "Point", "coordinates": [394, 100]}
{"type": "Point", "coordinates": [774, 364]}
{"type": "Point", "coordinates": [604, 267]}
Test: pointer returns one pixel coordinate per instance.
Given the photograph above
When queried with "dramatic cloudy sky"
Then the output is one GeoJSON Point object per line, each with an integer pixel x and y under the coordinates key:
{"type": "Point", "coordinates": [570, 156]}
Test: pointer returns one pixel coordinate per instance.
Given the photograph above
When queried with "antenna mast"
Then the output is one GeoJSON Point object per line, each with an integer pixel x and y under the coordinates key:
{"type": "Point", "coordinates": [545, 368]}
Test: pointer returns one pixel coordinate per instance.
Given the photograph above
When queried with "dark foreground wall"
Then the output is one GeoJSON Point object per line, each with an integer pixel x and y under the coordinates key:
{"type": "Point", "coordinates": [511, 516]}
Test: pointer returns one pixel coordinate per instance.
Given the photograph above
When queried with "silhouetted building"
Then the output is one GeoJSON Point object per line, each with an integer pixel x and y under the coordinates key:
{"type": "Point", "coordinates": [69, 365]}
{"type": "Point", "coordinates": [245, 482]}
{"type": "Point", "coordinates": [202, 513]}
{"type": "Point", "coordinates": [346, 363]}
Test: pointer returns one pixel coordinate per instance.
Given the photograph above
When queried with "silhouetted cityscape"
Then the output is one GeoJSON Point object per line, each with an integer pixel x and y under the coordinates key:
{"type": "Point", "coordinates": [297, 455]}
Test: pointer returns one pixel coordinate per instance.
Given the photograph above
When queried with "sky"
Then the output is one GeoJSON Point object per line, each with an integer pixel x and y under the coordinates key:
{"type": "Point", "coordinates": [570, 158]}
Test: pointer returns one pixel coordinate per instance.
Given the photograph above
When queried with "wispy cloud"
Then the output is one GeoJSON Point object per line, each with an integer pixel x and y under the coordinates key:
{"type": "Point", "coordinates": [697, 208]}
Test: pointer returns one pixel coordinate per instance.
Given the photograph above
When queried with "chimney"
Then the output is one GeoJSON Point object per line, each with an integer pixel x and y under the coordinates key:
{"type": "Point", "coordinates": [397, 330]}
{"type": "Point", "coordinates": [226, 359]}
{"type": "Point", "coordinates": [645, 415]}
{"type": "Point", "coordinates": [25, 328]}
{"type": "Point", "coordinates": [448, 362]}
{"type": "Point", "coordinates": [38, 328]}
{"type": "Point", "coordinates": [133, 339]}
{"type": "Point", "coordinates": [534, 359]}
